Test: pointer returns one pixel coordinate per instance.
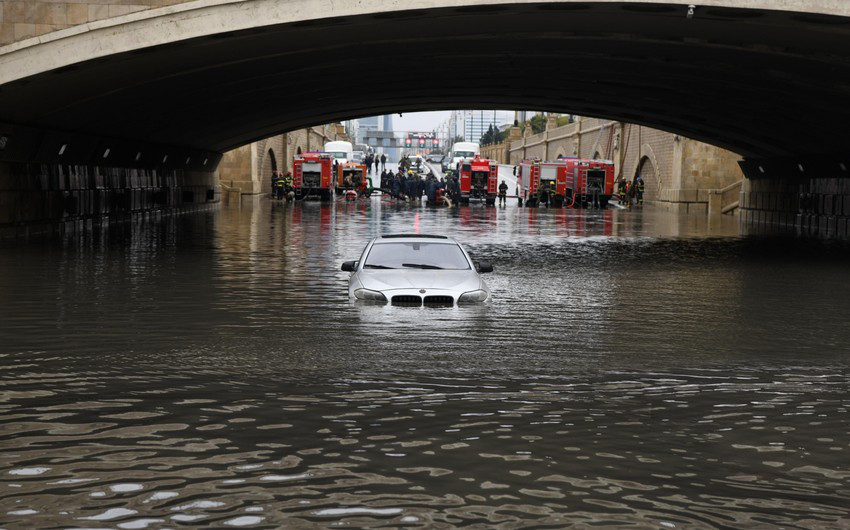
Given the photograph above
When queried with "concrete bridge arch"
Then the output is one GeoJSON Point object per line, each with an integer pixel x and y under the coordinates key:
{"type": "Point", "coordinates": [198, 78]}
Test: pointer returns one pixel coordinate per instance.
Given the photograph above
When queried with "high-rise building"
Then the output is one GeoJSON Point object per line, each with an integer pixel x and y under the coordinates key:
{"type": "Point", "coordinates": [477, 122]}
{"type": "Point", "coordinates": [366, 125]}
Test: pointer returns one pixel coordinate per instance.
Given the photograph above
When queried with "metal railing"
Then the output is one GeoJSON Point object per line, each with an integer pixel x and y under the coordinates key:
{"type": "Point", "coordinates": [726, 200]}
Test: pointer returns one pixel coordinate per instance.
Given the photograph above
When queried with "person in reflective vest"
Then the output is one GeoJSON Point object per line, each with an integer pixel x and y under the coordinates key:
{"type": "Point", "coordinates": [503, 194]}
{"type": "Point", "coordinates": [621, 190]}
{"type": "Point", "coordinates": [288, 191]}
{"type": "Point", "coordinates": [279, 185]}
{"type": "Point", "coordinates": [639, 189]}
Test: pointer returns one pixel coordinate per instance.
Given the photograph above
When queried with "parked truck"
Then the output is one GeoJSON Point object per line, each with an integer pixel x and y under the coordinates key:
{"type": "Point", "coordinates": [341, 151]}
{"type": "Point", "coordinates": [478, 178]}
{"type": "Point", "coordinates": [352, 176]}
{"type": "Point", "coordinates": [566, 181]}
{"type": "Point", "coordinates": [462, 151]}
{"type": "Point", "coordinates": [313, 176]}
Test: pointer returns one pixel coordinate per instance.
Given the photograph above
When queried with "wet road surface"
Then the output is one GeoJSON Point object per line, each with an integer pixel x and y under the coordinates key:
{"type": "Point", "coordinates": [634, 369]}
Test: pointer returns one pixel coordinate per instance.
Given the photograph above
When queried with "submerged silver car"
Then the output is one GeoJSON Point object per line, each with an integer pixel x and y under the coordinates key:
{"type": "Point", "coordinates": [417, 269]}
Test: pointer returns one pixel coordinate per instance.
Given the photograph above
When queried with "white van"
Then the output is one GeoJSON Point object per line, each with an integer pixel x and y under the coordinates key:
{"type": "Point", "coordinates": [462, 150]}
{"type": "Point", "coordinates": [342, 151]}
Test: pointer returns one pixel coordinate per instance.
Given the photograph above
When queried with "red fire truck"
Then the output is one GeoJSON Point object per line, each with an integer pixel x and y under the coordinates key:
{"type": "Point", "coordinates": [569, 181]}
{"type": "Point", "coordinates": [593, 176]}
{"type": "Point", "coordinates": [479, 179]}
{"type": "Point", "coordinates": [547, 181]}
{"type": "Point", "coordinates": [355, 173]}
{"type": "Point", "coordinates": [313, 176]}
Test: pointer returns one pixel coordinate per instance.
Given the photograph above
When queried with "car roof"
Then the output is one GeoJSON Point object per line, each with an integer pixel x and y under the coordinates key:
{"type": "Point", "coordinates": [431, 238]}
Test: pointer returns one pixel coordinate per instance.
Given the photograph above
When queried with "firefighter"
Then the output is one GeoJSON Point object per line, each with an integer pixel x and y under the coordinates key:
{"type": "Point", "coordinates": [288, 191]}
{"type": "Point", "coordinates": [503, 194]}
{"type": "Point", "coordinates": [543, 194]}
{"type": "Point", "coordinates": [274, 184]}
{"type": "Point", "coordinates": [621, 190]}
{"type": "Point", "coordinates": [279, 187]}
{"type": "Point", "coordinates": [595, 191]}
{"type": "Point", "coordinates": [639, 190]}
{"type": "Point", "coordinates": [396, 185]}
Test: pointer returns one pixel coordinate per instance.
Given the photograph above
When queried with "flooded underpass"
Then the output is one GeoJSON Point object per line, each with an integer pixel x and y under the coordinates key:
{"type": "Point", "coordinates": [633, 369]}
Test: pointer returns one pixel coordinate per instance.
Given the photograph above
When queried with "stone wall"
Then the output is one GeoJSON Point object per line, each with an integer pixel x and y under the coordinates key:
{"type": "Point", "coordinates": [808, 206]}
{"type": "Point", "coordinates": [678, 172]}
{"type": "Point", "coordinates": [497, 152]}
{"type": "Point", "coordinates": [22, 19]}
{"type": "Point", "coordinates": [249, 168]}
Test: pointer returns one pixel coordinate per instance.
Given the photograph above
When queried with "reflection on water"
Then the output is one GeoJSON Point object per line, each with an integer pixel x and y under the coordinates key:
{"type": "Point", "coordinates": [634, 368]}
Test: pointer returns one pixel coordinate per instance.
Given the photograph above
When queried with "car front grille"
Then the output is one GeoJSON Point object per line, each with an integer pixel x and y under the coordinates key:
{"type": "Point", "coordinates": [439, 300]}
{"type": "Point", "coordinates": [407, 299]}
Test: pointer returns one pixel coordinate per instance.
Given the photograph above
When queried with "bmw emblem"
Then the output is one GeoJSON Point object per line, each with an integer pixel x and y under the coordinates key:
{"type": "Point", "coordinates": [421, 291]}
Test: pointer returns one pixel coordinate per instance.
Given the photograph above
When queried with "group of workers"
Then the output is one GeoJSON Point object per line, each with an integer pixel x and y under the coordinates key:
{"type": "Point", "coordinates": [409, 185]}
{"type": "Point", "coordinates": [630, 192]}
{"type": "Point", "coordinates": [380, 162]}
{"type": "Point", "coordinates": [282, 186]}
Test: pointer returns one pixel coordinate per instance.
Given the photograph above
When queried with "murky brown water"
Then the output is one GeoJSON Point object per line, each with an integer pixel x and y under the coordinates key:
{"type": "Point", "coordinates": [634, 369]}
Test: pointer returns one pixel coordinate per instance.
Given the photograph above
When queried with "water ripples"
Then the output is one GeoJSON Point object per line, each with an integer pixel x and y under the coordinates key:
{"type": "Point", "coordinates": [633, 370]}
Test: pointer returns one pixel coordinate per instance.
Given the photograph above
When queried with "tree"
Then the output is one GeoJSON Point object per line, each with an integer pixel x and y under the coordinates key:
{"type": "Point", "coordinates": [493, 136]}
{"type": "Point", "coordinates": [538, 123]}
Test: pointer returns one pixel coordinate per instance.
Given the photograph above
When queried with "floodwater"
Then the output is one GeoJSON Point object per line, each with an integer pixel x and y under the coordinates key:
{"type": "Point", "coordinates": [634, 369]}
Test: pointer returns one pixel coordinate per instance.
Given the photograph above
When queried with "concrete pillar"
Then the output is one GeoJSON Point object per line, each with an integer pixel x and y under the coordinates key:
{"type": "Point", "coordinates": [577, 148]}
{"type": "Point", "coordinates": [715, 203]}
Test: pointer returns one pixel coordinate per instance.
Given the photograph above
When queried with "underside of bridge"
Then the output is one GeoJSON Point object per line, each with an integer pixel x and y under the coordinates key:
{"type": "Point", "coordinates": [765, 84]}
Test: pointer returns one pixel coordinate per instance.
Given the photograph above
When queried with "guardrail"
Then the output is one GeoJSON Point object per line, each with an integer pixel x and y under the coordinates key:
{"type": "Point", "coordinates": [230, 194]}
{"type": "Point", "coordinates": [726, 200]}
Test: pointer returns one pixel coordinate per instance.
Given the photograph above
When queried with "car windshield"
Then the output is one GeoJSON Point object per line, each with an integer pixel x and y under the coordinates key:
{"type": "Point", "coordinates": [415, 255]}
{"type": "Point", "coordinates": [464, 154]}
{"type": "Point", "coordinates": [340, 154]}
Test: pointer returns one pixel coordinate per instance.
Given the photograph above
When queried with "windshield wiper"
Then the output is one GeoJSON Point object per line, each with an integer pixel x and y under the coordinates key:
{"type": "Point", "coordinates": [370, 266]}
{"type": "Point", "coordinates": [420, 266]}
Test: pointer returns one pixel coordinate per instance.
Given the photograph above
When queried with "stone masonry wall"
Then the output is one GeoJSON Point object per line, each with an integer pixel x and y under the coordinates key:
{"type": "Point", "coordinates": [809, 206]}
{"type": "Point", "coordinates": [22, 19]}
{"type": "Point", "coordinates": [249, 168]}
{"type": "Point", "coordinates": [678, 172]}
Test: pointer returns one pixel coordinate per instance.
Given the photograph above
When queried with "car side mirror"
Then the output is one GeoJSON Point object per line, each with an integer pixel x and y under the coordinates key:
{"type": "Point", "coordinates": [485, 266]}
{"type": "Point", "coordinates": [349, 266]}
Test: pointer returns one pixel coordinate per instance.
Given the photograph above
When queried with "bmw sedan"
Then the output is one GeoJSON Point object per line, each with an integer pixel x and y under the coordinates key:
{"type": "Point", "coordinates": [415, 270]}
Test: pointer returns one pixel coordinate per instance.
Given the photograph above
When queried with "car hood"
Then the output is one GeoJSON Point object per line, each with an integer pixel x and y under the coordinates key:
{"type": "Point", "coordinates": [384, 280]}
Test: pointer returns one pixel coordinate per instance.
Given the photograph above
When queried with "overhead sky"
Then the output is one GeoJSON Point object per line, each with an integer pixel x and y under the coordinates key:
{"type": "Point", "coordinates": [419, 121]}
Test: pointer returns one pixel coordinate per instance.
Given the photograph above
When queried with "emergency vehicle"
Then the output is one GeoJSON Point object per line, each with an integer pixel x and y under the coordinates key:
{"type": "Point", "coordinates": [593, 175]}
{"type": "Point", "coordinates": [569, 181]}
{"type": "Point", "coordinates": [313, 176]}
{"type": "Point", "coordinates": [478, 179]}
{"type": "Point", "coordinates": [355, 172]}
{"type": "Point", "coordinates": [550, 177]}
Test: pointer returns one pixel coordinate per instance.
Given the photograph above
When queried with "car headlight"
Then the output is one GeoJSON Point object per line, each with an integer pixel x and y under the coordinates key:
{"type": "Point", "coordinates": [472, 297]}
{"type": "Point", "coordinates": [367, 294]}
